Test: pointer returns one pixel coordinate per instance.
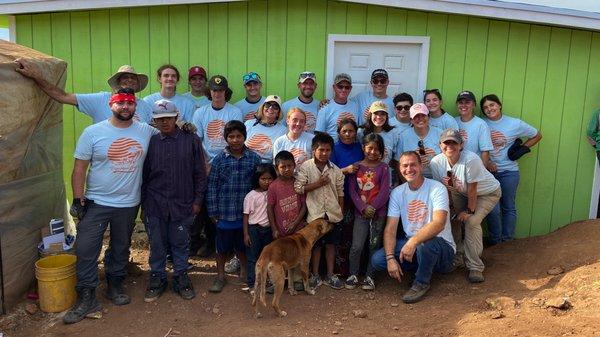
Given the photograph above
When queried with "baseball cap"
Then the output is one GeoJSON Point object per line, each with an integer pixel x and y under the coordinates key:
{"type": "Point", "coordinates": [164, 108]}
{"type": "Point", "coordinates": [273, 98]}
{"type": "Point", "coordinates": [251, 76]}
{"type": "Point", "coordinates": [418, 108]}
{"type": "Point", "coordinates": [196, 70]}
{"type": "Point", "coordinates": [218, 82]}
{"type": "Point", "coordinates": [465, 94]}
{"type": "Point", "coordinates": [378, 106]}
{"type": "Point", "coordinates": [306, 75]}
{"type": "Point", "coordinates": [379, 73]}
{"type": "Point", "coordinates": [451, 134]}
{"type": "Point", "coordinates": [342, 77]}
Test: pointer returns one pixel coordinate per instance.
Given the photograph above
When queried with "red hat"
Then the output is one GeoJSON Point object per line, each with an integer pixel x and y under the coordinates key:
{"type": "Point", "coordinates": [196, 70]}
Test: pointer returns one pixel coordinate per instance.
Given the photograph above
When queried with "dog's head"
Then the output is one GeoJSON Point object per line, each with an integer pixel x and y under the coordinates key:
{"type": "Point", "coordinates": [322, 226]}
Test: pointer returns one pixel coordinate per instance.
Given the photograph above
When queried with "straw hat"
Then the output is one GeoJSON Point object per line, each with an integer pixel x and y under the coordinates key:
{"type": "Point", "coordinates": [127, 69]}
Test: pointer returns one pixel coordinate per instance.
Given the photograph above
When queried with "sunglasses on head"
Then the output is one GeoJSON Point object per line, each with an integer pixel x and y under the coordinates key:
{"type": "Point", "coordinates": [272, 105]}
{"type": "Point", "coordinates": [421, 148]}
{"type": "Point", "coordinates": [449, 174]}
{"type": "Point", "coordinates": [307, 75]}
{"type": "Point", "coordinates": [428, 91]}
{"type": "Point", "coordinates": [403, 107]}
{"type": "Point", "coordinates": [343, 87]}
{"type": "Point", "coordinates": [250, 77]}
{"type": "Point", "coordinates": [379, 81]}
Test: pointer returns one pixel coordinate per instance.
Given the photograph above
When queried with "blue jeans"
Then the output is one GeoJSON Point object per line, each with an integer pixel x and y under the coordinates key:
{"type": "Point", "coordinates": [365, 228]}
{"type": "Point", "coordinates": [260, 237]}
{"type": "Point", "coordinates": [172, 236]}
{"type": "Point", "coordinates": [502, 220]}
{"type": "Point", "coordinates": [434, 255]}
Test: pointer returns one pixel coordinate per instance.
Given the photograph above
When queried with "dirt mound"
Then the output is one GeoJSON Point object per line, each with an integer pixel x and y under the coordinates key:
{"type": "Point", "coordinates": [542, 286]}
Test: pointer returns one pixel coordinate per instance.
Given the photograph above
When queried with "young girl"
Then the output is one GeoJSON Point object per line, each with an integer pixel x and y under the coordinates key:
{"type": "Point", "coordinates": [257, 229]}
{"type": "Point", "coordinates": [370, 190]}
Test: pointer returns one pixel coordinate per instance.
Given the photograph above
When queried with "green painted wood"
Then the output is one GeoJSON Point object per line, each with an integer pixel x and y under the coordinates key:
{"type": "Point", "coordinates": [316, 42]}
{"type": "Point", "coordinates": [119, 38]}
{"type": "Point", "coordinates": [336, 17]}
{"type": "Point", "coordinates": [24, 30]}
{"type": "Point", "coordinates": [454, 61]}
{"type": "Point", "coordinates": [295, 51]}
{"type": "Point", "coordinates": [42, 33]}
{"type": "Point", "coordinates": [178, 44]}
{"type": "Point", "coordinates": [197, 38]}
{"type": "Point", "coordinates": [437, 25]}
{"type": "Point", "coordinates": [476, 54]}
{"type": "Point", "coordinates": [257, 44]}
{"type": "Point", "coordinates": [396, 21]}
{"type": "Point", "coordinates": [356, 19]}
{"type": "Point", "coordinates": [81, 64]}
{"type": "Point", "coordinates": [416, 23]}
{"type": "Point", "coordinates": [376, 20]}
{"type": "Point", "coordinates": [139, 31]}
{"type": "Point", "coordinates": [516, 61]}
{"type": "Point", "coordinates": [495, 62]}
{"type": "Point", "coordinates": [217, 48]}
{"type": "Point", "coordinates": [238, 45]}
{"type": "Point", "coordinates": [159, 43]}
{"type": "Point", "coordinates": [276, 46]}
{"type": "Point", "coordinates": [100, 48]}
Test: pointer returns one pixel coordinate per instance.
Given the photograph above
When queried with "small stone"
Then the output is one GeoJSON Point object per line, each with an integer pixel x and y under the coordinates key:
{"type": "Point", "coordinates": [359, 313]}
{"type": "Point", "coordinates": [394, 304]}
{"type": "Point", "coordinates": [105, 311]}
{"type": "Point", "coordinates": [335, 332]}
{"type": "Point", "coordinates": [31, 308]}
{"type": "Point", "coordinates": [497, 315]}
{"type": "Point", "coordinates": [396, 328]}
{"type": "Point", "coordinates": [561, 303]}
{"type": "Point", "coordinates": [500, 303]}
{"type": "Point", "coordinates": [216, 310]}
{"type": "Point", "coordinates": [371, 296]}
{"type": "Point", "coordinates": [557, 270]}
{"type": "Point", "coordinates": [204, 294]}
{"type": "Point", "coordinates": [337, 323]}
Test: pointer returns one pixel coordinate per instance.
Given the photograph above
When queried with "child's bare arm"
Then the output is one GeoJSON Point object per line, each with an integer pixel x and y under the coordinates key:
{"type": "Point", "coordinates": [271, 215]}
{"type": "Point", "coordinates": [245, 226]}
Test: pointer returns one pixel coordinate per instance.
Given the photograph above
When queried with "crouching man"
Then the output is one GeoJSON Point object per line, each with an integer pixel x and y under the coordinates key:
{"type": "Point", "coordinates": [428, 247]}
{"type": "Point", "coordinates": [174, 182]}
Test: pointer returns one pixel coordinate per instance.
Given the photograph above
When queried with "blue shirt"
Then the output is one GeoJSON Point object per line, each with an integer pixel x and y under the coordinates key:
{"type": "Point", "coordinates": [96, 106]}
{"type": "Point", "coordinates": [476, 135]}
{"type": "Point", "coordinates": [504, 132]}
{"type": "Point", "coordinates": [200, 101]}
{"type": "Point", "coordinates": [185, 105]}
{"type": "Point", "coordinates": [344, 155]}
{"type": "Point", "coordinates": [116, 158]}
{"type": "Point", "coordinates": [229, 181]}
{"type": "Point", "coordinates": [210, 123]}
{"type": "Point", "coordinates": [174, 176]}
{"type": "Point", "coordinates": [364, 101]}
{"type": "Point", "coordinates": [260, 138]}
{"type": "Point", "coordinates": [249, 109]}
{"type": "Point", "coordinates": [311, 109]}
{"type": "Point", "coordinates": [332, 114]}
{"type": "Point", "coordinates": [445, 121]}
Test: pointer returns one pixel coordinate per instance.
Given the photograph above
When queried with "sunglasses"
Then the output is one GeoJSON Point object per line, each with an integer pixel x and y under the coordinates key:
{"type": "Point", "coordinates": [307, 75]}
{"type": "Point", "coordinates": [403, 107]}
{"type": "Point", "coordinates": [421, 148]}
{"type": "Point", "coordinates": [272, 105]}
{"type": "Point", "coordinates": [379, 81]}
{"type": "Point", "coordinates": [251, 77]}
{"type": "Point", "coordinates": [449, 174]}
{"type": "Point", "coordinates": [343, 87]}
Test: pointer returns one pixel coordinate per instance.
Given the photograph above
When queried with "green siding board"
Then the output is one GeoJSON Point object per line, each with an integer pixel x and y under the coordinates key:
{"type": "Point", "coordinates": [416, 23]}
{"type": "Point", "coordinates": [336, 17]}
{"type": "Point", "coordinates": [257, 44]}
{"type": "Point", "coordinates": [159, 43]}
{"type": "Point", "coordinates": [495, 63]}
{"type": "Point", "coordinates": [178, 43]}
{"type": "Point", "coordinates": [276, 47]}
{"type": "Point", "coordinates": [516, 63]}
{"type": "Point", "coordinates": [237, 45]}
{"type": "Point", "coordinates": [454, 61]}
{"type": "Point", "coordinates": [81, 65]}
{"type": "Point", "coordinates": [376, 23]}
{"type": "Point", "coordinates": [356, 19]}
{"type": "Point", "coordinates": [396, 21]}
{"type": "Point", "coordinates": [476, 53]}
{"type": "Point", "coordinates": [197, 38]}
{"type": "Point", "coordinates": [316, 42]}
{"type": "Point", "coordinates": [295, 46]}
{"type": "Point", "coordinates": [42, 33]}
{"type": "Point", "coordinates": [139, 32]}
{"type": "Point", "coordinates": [24, 30]}
{"type": "Point", "coordinates": [437, 25]}
{"type": "Point", "coordinates": [120, 34]}
{"type": "Point", "coordinates": [100, 48]}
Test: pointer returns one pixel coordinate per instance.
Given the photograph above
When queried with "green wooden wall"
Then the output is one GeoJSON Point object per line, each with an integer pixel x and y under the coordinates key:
{"type": "Point", "coordinates": [548, 76]}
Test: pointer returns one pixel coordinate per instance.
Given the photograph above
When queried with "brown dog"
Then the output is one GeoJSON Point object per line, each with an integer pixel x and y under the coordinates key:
{"type": "Point", "coordinates": [282, 255]}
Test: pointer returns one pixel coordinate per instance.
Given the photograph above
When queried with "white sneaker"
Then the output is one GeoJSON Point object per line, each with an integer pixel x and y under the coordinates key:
{"type": "Point", "coordinates": [233, 266]}
{"type": "Point", "coordinates": [351, 282]}
{"type": "Point", "coordinates": [368, 284]}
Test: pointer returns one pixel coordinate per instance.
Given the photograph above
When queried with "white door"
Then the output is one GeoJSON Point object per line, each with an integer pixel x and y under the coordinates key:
{"type": "Point", "coordinates": [404, 57]}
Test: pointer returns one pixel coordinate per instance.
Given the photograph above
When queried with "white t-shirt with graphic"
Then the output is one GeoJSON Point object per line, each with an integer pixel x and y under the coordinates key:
{"type": "Point", "coordinates": [199, 101]}
{"type": "Point", "coordinates": [249, 109]}
{"type": "Point", "coordinates": [96, 106]}
{"type": "Point", "coordinates": [116, 158]}
{"type": "Point", "coordinates": [476, 135]}
{"type": "Point", "coordinates": [416, 208]}
{"type": "Point", "coordinates": [311, 110]}
{"type": "Point", "coordinates": [185, 105]}
{"type": "Point", "coordinates": [504, 132]}
{"type": "Point", "coordinates": [211, 124]}
{"type": "Point", "coordinates": [364, 101]}
{"type": "Point", "coordinates": [260, 138]}
{"type": "Point", "coordinates": [468, 169]}
{"type": "Point", "coordinates": [409, 141]}
{"type": "Point", "coordinates": [445, 121]}
{"type": "Point", "coordinates": [300, 148]}
{"type": "Point", "coordinates": [332, 114]}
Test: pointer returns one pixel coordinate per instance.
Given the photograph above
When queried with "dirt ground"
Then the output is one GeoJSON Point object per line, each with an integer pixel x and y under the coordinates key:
{"type": "Point", "coordinates": [526, 280]}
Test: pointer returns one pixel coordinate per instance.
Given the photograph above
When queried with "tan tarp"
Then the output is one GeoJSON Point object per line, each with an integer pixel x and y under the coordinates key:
{"type": "Point", "coordinates": [31, 184]}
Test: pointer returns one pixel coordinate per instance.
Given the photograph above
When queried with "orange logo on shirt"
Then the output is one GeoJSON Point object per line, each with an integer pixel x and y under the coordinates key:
{"type": "Point", "coordinates": [214, 133]}
{"type": "Point", "coordinates": [123, 154]}
{"type": "Point", "coordinates": [498, 140]}
{"type": "Point", "coordinates": [417, 212]}
{"type": "Point", "coordinates": [299, 155]}
{"type": "Point", "coordinates": [260, 143]}
{"type": "Point", "coordinates": [311, 121]}
{"type": "Point", "coordinates": [250, 115]}
{"type": "Point", "coordinates": [464, 135]}
{"type": "Point", "coordinates": [343, 115]}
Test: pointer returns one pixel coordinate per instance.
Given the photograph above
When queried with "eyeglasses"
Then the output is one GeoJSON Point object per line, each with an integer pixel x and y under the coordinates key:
{"type": "Point", "coordinates": [403, 107]}
{"type": "Point", "coordinates": [251, 77]}
{"type": "Point", "coordinates": [307, 74]}
{"type": "Point", "coordinates": [449, 174]}
{"type": "Point", "coordinates": [379, 81]}
{"type": "Point", "coordinates": [343, 87]}
{"type": "Point", "coordinates": [272, 105]}
{"type": "Point", "coordinates": [421, 148]}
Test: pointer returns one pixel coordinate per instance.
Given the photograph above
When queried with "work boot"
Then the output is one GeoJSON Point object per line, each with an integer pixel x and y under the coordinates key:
{"type": "Point", "coordinates": [183, 286]}
{"type": "Point", "coordinates": [415, 293]}
{"type": "Point", "coordinates": [155, 288]}
{"type": "Point", "coordinates": [86, 304]}
{"type": "Point", "coordinates": [114, 291]}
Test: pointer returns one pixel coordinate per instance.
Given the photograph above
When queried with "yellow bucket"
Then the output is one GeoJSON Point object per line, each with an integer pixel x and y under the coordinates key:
{"type": "Point", "coordinates": [56, 282]}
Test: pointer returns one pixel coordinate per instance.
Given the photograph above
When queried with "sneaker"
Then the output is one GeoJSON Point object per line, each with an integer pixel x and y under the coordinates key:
{"type": "Point", "coordinates": [314, 281]}
{"type": "Point", "coordinates": [351, 282]}
{"type": "Point", "coordinates": [217, 285]}
{"type": "Point", "coordinates": [298, 286]}
{"type": "Point", "coordinates": [156, 286]}
{"type": "Point", "coordinates": [368, 284]}
{"type": "Point", "coordinates": [415, 293]}
{"type": "Point", "coordinates": [475, 276]}
{"type": "Point", "coordinates": [86, 304]}
{"type": "Point", "coordinates": [183, 286]}
{"type": "Point", "coordinates": [233, 266]}
{"type": "Point", "coordinates": [334, 282]}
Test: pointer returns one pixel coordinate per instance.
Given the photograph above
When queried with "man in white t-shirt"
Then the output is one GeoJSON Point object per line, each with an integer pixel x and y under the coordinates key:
{"type": "Point", "coordinates": [106, 180]}
{"type": "Point", "coordinates": [307, 84]}
{"type": "Point", "coordinates": [94, 105]}
{"type": "Point", "coordinates": [379, 84]}
{"type": "Point", "coordinates": [428, 247]}
{"type": "Point", "coordinates": [249, 105]}
{"type": "Point", "coordinates": [168, 76]}
{"type": "Point", "coordinates": [339, 107]}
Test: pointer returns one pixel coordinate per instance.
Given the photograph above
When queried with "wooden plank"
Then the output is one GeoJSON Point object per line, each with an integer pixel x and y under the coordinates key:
{"type": "Point", "coordinates": [437, 25]}
{"type": "Point", "coordinates": [42, 33]}
{"type": "Point", "coordinates": [24, 30]}
{"type": "Point", "coordinates": [159, 43]}
{"type": "Point", "coordinates": [257, 43]}
{"type": "Point", "coordinates": [475, 56]}
{"type": "Point", "coordinates": [454, 62]}
{"type": "Point", "coordinates": [586, 155]}
{"type": "Point", "coordinates": [316, 42]}
{"type": "Point", "coordinates": [376, 20]}
{"type": "Point", "coordinates": [336, 17]}
{"type": "Point", "coordinates": [238, 44]}
{"type": "Point", "coordinates": [120, 44]}
{"type": "Point", "coordinates": [81, 64]}
{"type": "Point", "coordinates": [356, 19]}
{"type": "Point", "coordinates": [514, 78]}
{"type": "Point", "coordinates": [495, 62]}
{"type": "Point", "coordinates": [396, 22]}
{"type": "Point", "coordinates": [570, 127]}
{"type": "Point", "coordinates": [139, 31]}
{"type": "Point", "coordinates": [295, 46]}
{"type": "Point", "coordinates": [197, 36]}
{"type": "Point", "coordinates": [178, 43]}
{"type": "Point", "coordinates": [276, 45]}
{"type": "Point", "coordinates": [217, 49]}
{"type": "Point", "coordinates": [416, 23]}
{"type": "Point", "coordinates": [100, 47]}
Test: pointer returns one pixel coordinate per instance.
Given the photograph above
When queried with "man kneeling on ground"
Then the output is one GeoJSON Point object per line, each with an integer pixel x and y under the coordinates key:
{"type": "Point", "coordinates": [424, 208]}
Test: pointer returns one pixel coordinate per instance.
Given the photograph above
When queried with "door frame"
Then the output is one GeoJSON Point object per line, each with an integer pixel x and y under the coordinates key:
{"type": "Point", "coordinates": [421, 41]}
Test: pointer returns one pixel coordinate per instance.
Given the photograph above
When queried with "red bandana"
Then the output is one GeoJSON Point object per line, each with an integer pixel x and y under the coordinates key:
{"type": "Point", "coordinates": [121, 98]}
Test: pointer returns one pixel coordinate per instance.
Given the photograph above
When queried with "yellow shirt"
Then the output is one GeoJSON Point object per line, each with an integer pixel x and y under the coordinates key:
{"type": "Point", "coordinates": [323, 200]}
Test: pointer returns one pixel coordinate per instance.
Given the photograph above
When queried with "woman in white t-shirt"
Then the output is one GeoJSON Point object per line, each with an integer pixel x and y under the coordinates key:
{"type": "Point", "coordinates": [508, 147]}
{"type": "Point", "coordinates": [474, 192]}
{"type": "Point", "coordinates": [265, 128]}
{"type": "Point", "coordinates": [296, 140]}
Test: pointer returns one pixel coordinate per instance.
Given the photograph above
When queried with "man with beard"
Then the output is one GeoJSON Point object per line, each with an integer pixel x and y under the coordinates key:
{"type": "Point", "coordinates": [109, 158]}
{"type": "Point", "coordinates": [307, 84]}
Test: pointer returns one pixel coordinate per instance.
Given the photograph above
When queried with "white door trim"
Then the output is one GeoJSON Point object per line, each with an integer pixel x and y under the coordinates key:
{"type": "Point", "coordinates": [595, 191]}
{"type": "Point", "coordinates": [422, 41]}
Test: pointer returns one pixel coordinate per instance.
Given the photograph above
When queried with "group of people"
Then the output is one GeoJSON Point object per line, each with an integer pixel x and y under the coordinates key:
{"type": "Point", "coordinates": [405, 180]}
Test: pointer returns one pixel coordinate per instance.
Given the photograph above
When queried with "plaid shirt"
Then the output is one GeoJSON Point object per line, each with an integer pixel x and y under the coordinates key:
{"type": "Point", "coordinates": [229, 182]}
